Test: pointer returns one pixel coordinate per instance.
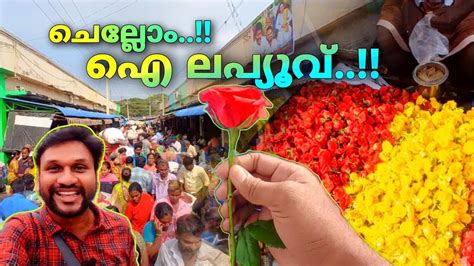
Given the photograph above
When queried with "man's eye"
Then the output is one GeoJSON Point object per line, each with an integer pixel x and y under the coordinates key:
{"type": "Point", "coordinates": [53, 168]}
{"type": "Point", "coordinates": [80, 168]}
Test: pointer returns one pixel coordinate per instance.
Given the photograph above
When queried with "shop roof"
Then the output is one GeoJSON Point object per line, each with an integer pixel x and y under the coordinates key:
{"type": "Point", "coordinates": [191, 111]}
{"type": "Point", "coordinates": [67, 111]}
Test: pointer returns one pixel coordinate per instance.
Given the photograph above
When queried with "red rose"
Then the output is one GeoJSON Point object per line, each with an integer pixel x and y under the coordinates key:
{"type": "Point", "coordinates": [235, 106]}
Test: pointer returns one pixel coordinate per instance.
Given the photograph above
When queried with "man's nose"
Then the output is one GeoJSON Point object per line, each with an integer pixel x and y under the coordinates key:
{"type": "Point", "coordinates": [196, 246]}
{"type": "Point", "coordinates": [68, 177]}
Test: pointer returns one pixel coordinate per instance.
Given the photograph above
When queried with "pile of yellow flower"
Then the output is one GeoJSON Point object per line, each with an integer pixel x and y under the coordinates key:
{"type": "Point", "coordinates": [414, 207]}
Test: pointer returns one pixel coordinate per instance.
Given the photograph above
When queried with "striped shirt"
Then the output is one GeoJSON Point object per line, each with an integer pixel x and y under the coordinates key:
{"type": "Point", "coordinates": [24, 240]}
{"type": "Point", "coordinates": [142, 177]}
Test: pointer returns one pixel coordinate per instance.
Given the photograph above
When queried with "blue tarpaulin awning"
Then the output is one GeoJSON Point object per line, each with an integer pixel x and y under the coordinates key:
{"type": "Point", "coordinates": [67, 111]}
{"type": "Point", "coordinates": [73, 112]}
{"type": "Point", "coordinates": [191, 111]}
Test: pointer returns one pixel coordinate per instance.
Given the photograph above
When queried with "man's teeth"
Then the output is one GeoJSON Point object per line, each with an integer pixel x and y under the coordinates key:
{"type": "Point", "coordinates": [68, 193]}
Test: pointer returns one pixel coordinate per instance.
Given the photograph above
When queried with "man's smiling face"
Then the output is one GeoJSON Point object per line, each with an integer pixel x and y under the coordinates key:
{"type": "Point", "coordinates": [67, 178]}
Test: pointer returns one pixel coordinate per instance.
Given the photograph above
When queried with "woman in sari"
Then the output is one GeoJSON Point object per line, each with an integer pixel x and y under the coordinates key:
{"type": "Point", "coordinates": [13, 166]}
{"type": "Point", "coordinates": [120, 195]}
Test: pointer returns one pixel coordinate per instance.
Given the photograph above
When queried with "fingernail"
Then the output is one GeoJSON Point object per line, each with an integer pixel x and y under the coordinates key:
{"type": "Point", "coordinates": [237, 173]}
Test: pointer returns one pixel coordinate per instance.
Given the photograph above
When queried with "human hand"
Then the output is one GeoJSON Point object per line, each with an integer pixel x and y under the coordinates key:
{"type": "Point", "coordinates": [448, 17]}
{"type": "Point", "coordinates": [158, 227]}
{"type": "Point", "coordinates": [101, 196]}
{"type": "Point", "coordinates": [126, 195]}
{"type": "Point", "coordinates": [307, 220]}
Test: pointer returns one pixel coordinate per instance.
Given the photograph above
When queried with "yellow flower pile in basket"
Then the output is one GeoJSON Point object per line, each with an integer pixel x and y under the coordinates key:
{"type": "Point", "coordinates": [414, 208]}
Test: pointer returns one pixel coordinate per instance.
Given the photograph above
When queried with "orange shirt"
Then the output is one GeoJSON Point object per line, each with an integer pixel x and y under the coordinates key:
{"type": "Point", "coordinates": [139, 214]}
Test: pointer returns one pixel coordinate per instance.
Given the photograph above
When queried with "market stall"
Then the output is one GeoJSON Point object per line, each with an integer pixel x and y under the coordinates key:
{"type": "Point", "coordinates": [28, 120]}
{"type": "Point", "coordinates": [399, 166]}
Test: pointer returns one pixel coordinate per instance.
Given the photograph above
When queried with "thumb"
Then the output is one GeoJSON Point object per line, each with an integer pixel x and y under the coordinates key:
{"type": "Point", "coordinates": [253, 189]}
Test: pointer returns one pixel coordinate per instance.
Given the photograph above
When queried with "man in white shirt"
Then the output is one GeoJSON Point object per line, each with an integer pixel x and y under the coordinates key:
{"type": "Point", "coordinates": [177, 145]}
{"type": "Point", "coordinates": [201, 141]}
{"type": "Point", "coordinates": [270, 43]}
{"type": "Point", "coordinates": [193, 178]}
{"type": "Point", "coordinates": [146, 145]}
{"type": "Point", "coordinates": [188, 248]}
{"type": "Point", "coordinates": [161, 180]}
{"type": "Point", "coordinates": [158, 136]}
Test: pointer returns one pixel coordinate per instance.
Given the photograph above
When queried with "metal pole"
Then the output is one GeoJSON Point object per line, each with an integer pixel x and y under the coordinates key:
{"type": "Point", "coordinates": [107, 95]}
{"type": "Point", "coordinates": [128, 113]}
{"type": "Point", "coordinates": [3, 116]}
{"type": "Point", "coordinates": [150, 107]}
{"type": "Point", "coordinates": [163, 99]}
{"type": "Point", "coordinates": [201, 125]}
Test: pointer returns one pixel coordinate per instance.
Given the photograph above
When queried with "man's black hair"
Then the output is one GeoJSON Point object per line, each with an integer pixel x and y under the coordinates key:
{"type": "Point", "coordinates": [122, 150]}
{"type": "Point", "coordinates": [157, 158]}
{"type": "Point", "coordinates": [72, 133]}
{"type": "Point", "coordinates": [137, 145]}
{"type": "Point", "coordinates": [140, 161]}
{"type": "Point", "coordinates": [162, 162]}
{"type": "Point", "coordinates": [107, 164]}
{"type": "Point", "coordinates": [258, 26]}
{"type": "Point", "coordinates": [18, 186]}
{"type": "Point", "coordinates": [199, 207]}
{"type": "Point", "coordinates": [188, 160]}
{"type": "Point", "coordinates": [190, 223]}
{"type": "Point", "coordinates": [212, 214]}
{"type": "Point", "coordinates": [29, 181]}
{"type": "Point", "coordinates": [135, 187]}
{"type": "Point", "coordinates": [214, 158]}
{"type": "Point", "coordinates": [12, 156]}
{"type": "Point", "coordinates": [162, 209]}
{"type": "Point", "coordinates": [126, 179]}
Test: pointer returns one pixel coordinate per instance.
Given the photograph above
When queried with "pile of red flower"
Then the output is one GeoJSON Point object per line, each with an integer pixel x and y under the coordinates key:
{"type": "Point", "coordinates": [335, 129]}
{"type": "Point", "coordinates": [467, 248]}
{"type": "Point", "coordinates": [467, 245]}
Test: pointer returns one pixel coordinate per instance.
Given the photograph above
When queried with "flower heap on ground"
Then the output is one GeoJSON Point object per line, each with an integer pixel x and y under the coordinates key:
{"type": "Point", "coordinates": [467, 245]}
{"type": "Point", "coordinates": [335, 129]}
{"type": "Point", "coordinates": [414, 207]}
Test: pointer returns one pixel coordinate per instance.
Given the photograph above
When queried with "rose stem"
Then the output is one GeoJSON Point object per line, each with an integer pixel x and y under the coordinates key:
{"type": "Point", "coordinates": [233, 139]}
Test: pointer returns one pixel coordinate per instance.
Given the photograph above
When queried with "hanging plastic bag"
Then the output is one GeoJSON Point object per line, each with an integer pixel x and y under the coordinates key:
{"type": "Point", "coordinates": [112, 135]}
{"type": "Point", "coordinates": [427, 43]}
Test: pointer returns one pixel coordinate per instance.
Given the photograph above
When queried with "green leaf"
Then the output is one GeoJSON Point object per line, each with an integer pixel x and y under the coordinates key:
{"type": "Point", "coordinates": [248, 251]}
{"type": "Point", "coordinates": [264, 231]}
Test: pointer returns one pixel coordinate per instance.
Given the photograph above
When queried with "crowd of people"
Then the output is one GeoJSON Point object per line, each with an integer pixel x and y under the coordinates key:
{"type": "Point", "coordinates": [176, 223]}
{"type": "Point", "coordinates": [20, 164]}
{"type": "Point", "coordinates": [153, 176]}
{"type": "Point", "coordinates": [18, 176]}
